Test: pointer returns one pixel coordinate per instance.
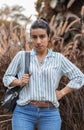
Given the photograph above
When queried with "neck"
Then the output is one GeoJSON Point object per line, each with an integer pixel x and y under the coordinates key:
{"type": "Point", "coordinates": [42, 53]}
{"type": "Point", "coordinates": [41, 56]}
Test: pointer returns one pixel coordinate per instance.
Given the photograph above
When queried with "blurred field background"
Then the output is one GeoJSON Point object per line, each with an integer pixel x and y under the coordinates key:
{"type": "Point", "coordinates": [66, 20]}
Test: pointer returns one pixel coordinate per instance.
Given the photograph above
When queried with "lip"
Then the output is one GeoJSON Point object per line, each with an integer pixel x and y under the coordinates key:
{"type": "Point", "coordinates": [39, 46]}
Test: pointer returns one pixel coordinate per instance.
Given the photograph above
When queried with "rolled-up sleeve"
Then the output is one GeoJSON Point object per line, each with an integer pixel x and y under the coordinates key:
{"type": "Point", "coordinates": [74, 74]}
{"type": "Point", "coordinates": [12, 70]}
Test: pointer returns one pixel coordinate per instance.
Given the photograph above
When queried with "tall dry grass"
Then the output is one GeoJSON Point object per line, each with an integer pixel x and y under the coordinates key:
{"type": "Point", "coordinates": [14, 39]}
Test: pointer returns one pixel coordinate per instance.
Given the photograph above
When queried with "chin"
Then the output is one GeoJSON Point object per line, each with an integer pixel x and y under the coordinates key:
{"type": "Point", "coordinates": [40, 50]}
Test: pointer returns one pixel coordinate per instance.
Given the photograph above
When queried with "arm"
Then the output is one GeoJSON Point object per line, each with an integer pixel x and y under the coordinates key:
{"type": "Point", "coordinates": [75, 76]}
{"type": "Point", "coordinates": [24, 81]}
{"type": "Point", "coordinates": [15, 82]}
{"type": "Point", "coordinates": [12, 70]}
{"type": "Point", "coordinates": [61, 93]}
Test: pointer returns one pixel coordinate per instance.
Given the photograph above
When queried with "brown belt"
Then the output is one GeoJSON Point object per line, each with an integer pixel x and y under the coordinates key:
{"type": "Point", "coordinates": [42, 103]}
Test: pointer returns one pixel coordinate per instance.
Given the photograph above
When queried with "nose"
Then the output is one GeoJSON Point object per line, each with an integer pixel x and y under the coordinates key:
{"type": "Point", "coordinates": [38, 40]}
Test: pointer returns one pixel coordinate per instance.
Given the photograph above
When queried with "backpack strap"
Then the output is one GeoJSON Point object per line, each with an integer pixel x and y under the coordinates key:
{"type": "Point", "coordinates": [27, 62]}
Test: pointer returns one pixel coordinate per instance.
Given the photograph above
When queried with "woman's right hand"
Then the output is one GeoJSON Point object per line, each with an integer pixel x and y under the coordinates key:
{"type": "Point", "coordinates": [25, 79]}
{"type": "Point", "coordinates": [21, 82]}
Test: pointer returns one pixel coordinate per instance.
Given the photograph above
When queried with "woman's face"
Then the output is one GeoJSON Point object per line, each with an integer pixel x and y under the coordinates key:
{"type": "Point", "coordinates": [39, 39]}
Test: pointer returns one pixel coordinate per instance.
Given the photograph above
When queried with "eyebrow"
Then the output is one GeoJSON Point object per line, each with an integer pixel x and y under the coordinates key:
{"type": "Point", "coordinates": [38, 35]}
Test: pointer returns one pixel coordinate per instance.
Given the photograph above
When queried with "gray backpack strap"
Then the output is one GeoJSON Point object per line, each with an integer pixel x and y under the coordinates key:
{"type": "Point", "coordinates": [27, 65]}
{"type": "Point", "coordinates": [27, 62]}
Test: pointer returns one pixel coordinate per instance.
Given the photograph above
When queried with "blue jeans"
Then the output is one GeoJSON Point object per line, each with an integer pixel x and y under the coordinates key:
{"type": "Point", "coordinates": [28, 116]}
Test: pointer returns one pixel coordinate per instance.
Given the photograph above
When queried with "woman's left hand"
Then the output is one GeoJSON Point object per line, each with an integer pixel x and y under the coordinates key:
{"type": "Point", "coordinates": [59, 94]}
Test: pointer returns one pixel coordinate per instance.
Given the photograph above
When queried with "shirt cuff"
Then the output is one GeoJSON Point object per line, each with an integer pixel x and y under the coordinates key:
{"type": "Point", "coordinates": [9, 81]}
{"type": "Point", "coordinates": [74, 85]}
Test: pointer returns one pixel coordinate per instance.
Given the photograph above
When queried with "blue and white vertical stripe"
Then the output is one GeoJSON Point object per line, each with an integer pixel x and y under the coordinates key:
{"type": "Point", "coordinates": [44, 79]}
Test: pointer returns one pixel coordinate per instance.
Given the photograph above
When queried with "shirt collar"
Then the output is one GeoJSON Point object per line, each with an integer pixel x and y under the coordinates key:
{"type": "Point", "coordinates": [50, 52]}
{"type": "Point", "coordinates": [33, 52]}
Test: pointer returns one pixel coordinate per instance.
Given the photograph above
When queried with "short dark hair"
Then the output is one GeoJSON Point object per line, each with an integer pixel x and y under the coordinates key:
{"type": "Point", "coordinates": [41, 23]}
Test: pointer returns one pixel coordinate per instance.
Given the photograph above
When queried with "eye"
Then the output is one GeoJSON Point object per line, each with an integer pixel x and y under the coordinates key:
{"type": "Point", "coordinates": [42, 36]}
{"type": "Point", "coordinates": [33, 36]}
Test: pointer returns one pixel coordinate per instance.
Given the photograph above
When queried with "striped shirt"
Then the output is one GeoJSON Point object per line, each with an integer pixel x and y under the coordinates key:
{"type": "Point", "coordinates": [44, 79]}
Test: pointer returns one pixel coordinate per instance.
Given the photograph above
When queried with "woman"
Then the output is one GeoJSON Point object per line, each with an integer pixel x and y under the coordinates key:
{"type": "Point", "coordinates": [38, 103]}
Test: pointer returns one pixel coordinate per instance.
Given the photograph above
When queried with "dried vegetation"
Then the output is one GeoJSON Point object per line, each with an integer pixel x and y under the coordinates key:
{"type": "Point", "coordinates": [67, 37]}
